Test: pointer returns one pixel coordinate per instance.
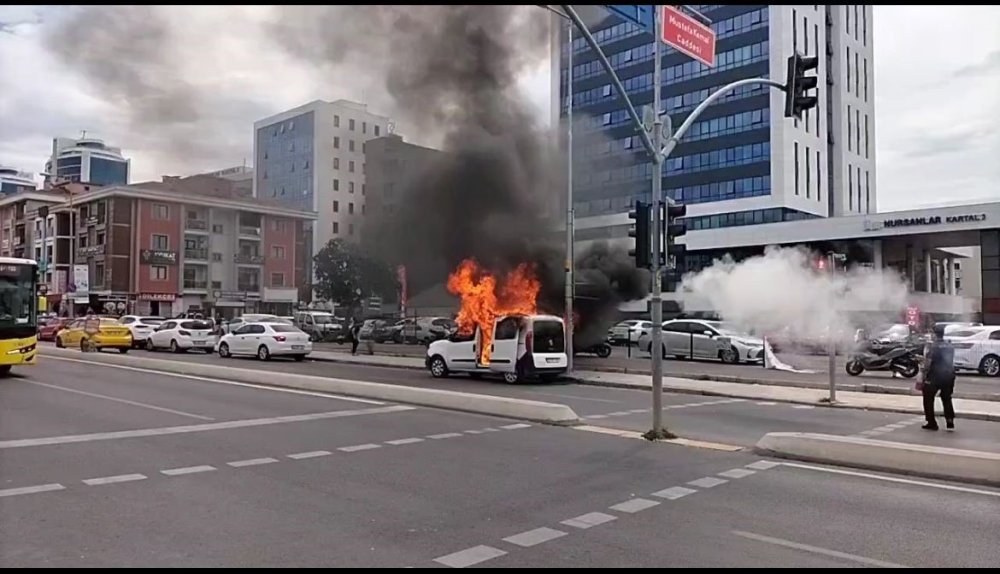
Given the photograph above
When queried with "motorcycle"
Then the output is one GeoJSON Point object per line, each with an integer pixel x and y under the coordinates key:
{"type": "Point", "coordinates": [901, 358]}
{"type": "Point", "coordinates": [602, 350]}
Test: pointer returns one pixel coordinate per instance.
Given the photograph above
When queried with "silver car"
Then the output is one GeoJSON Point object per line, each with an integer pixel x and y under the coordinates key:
{"type": "Point", "coordinates": [699, 339]}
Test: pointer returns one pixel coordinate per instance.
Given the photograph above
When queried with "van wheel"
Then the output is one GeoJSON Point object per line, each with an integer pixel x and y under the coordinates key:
{"type": "Point", "coordinates": [990, 366]}
{"type": "Point", "coordinates": [511, 378]}
{"type": "Point", "coordinates": [439, 369]}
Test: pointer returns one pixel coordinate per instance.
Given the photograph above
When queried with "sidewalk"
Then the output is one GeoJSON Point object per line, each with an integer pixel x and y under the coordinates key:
{"type": "Point", "coordinates": [909, 404]}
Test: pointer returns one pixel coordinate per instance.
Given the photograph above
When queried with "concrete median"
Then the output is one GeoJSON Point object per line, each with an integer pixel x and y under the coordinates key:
{"type": "Point", "coordinates": [551, 413]}
{"type": "Point", "coordinates": [920, 460]}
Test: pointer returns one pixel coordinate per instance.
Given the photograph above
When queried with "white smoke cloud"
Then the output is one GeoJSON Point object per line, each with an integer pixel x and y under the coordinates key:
{"type": "Point", "coordinates": [781, 292]}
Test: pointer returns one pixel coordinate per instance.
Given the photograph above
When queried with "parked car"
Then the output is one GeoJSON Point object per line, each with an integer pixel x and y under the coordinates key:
{"type": "Point", "coordinates": [700, 339]}
{"type": "Point", "coordinates": [230, 326]}
{"type": "Point", "coordinates": [47, 331]}
{"type": "Point", "coordinates": [321, 326]}
{"type": "Point", "coordinates": [266, 340]}
{"type": "Point", "coordinates": [977, 349]}
{"type": "Point", "coordinates": [377, 330]}
{"type": "Point", "coordinates": [95, 333]}
{"type": "Point", "coordinates": [422, 330]}
{"type": "Point", "coordinates": [141, 327]}
{"type": "Point", "coordinates": [180, 335]}
{"type": "Point", "coordinates": [627, 332]}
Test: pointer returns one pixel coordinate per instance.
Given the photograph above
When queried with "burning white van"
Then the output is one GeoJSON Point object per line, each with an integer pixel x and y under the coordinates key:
{"type": "Point", "coordinates": [520, 347]}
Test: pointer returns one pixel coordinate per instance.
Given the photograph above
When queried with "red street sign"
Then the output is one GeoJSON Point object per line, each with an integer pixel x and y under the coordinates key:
{"type": "Point", "coordinates": [688, 35]}
{"type": "Point", "coordinates": [913, 316]}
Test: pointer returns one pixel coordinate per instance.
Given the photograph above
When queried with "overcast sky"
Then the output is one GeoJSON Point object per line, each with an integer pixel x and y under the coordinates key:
{"type": "Point", "coordinates": [937, 92]}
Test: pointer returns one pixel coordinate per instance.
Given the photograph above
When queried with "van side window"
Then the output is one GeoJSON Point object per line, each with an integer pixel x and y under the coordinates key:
{"type": "Point", "coordinates": [507, 329]}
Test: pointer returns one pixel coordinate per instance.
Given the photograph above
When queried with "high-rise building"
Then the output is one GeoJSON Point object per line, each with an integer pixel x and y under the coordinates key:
{"type": "Point", "coordinates": [14, 181]}
{"type": "Point", "coordinates": [742, 162]}
{"type": "Point", "coordinates": [312, 158]}
{"type": "Point", "coordinates": [86, 160]}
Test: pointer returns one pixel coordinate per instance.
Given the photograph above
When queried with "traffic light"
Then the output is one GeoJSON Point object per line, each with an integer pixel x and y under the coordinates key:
{"type": "Point", "coordinates": [797, 83]}
{"type": "Point", "coordinates": [673, 253]}
{"type": "Point", "coordinates": [642, 252]}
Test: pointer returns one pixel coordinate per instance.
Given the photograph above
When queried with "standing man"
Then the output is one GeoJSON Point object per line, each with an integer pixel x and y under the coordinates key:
{"type": "Point", "coordinates": [939, 377]}
{"type": "Point", "coordinates": [355, 330]}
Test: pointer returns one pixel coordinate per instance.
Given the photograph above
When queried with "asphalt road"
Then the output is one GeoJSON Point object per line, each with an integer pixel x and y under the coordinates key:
{"type": "Point", "coordinates": [639, 363]}
{"type": "Point", "coordinates": [110, 467]}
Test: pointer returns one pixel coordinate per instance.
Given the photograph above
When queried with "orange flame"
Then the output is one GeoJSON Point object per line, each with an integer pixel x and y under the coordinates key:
{"type": "Point", "coordinates": [483, 299]}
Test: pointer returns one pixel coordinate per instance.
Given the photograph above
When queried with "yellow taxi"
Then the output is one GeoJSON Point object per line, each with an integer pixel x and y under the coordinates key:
{"type": "Point", "coordinates": [95, 333]}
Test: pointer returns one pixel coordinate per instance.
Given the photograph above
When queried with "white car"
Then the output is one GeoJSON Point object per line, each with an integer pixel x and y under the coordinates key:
{"type": "Point", "coordinates": [230, 326]}
{"type": "Point", "coordinates": [977, 349]}
{"type": "Point", "coordinates": [180, 335]}
{"type": "Point", "coordinates": [266, 340]}
{"type": "Point", "coordinates": [141, 327]}
{"type": "Point", "coordinates": [700, 339]}
{"type": "Point", "coordinates": [627, 332]}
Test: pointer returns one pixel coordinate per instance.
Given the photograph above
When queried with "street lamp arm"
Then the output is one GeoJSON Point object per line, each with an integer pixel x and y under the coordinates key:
{"type": "Point", "coordinates": [675, 138]}
{"type": "Point", "coordinates": [646, 141]}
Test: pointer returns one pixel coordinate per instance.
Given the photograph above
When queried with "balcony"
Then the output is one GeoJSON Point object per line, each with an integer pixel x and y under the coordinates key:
{"type": "Point", "coordinates": [197, 284]}
{"type": "Point", "coordinates": [249, 259]}
{"type": "Point", "coordinates": [199, 254]}
{"type": "Point", "coordinates": [196, 225]}
{"type": "Point", "coordinates": [248, 287]}
{"type": "Point", "coordinates": [250, 231]}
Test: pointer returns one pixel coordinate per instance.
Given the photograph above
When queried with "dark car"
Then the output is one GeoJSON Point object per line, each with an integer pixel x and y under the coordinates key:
{"type": "Point", "coordinates": [47, 332]}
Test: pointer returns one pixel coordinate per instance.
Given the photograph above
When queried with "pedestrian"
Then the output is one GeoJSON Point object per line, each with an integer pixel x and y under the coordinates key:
{"type": "Point", "coordinates": [938, 377]}
{"type": "Point", "coordinates": [355, 331]}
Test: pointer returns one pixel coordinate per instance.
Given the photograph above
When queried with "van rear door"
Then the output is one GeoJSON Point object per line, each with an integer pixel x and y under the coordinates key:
{"type": "Point", "coordinates": [548, 344]}
{"type": "Point", "coordinates": [503, 354]}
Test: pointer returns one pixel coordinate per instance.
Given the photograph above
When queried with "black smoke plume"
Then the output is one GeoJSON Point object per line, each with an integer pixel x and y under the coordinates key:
{"type": "Point", "coordinates": [451, 72]}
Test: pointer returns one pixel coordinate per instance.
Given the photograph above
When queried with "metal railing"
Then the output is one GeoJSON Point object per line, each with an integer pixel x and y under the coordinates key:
{"type": "Point", "coordinates": [196, 224]}
{"type": "Point", "coordinates": [248, 258]}
{"type": "Point", "coordinates": [199, 254]}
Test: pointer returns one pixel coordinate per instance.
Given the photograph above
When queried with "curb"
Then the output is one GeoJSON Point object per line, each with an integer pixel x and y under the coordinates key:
{"type": "Point", "coordinates": [918, 460]}
{"type": "Point", "coordinates": [520, 409]}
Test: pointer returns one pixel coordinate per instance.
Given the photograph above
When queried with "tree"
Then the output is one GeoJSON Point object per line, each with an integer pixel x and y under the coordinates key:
{"type": "Point", "coordinates": [346, 275]}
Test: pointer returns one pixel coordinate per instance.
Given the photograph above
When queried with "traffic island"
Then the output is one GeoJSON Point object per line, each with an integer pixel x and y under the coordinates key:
{"type": "Point", "coordinates": [970, 466]}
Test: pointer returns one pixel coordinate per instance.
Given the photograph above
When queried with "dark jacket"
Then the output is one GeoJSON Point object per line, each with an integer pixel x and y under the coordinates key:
{"type": "Point", "coordinates": [940, 365]}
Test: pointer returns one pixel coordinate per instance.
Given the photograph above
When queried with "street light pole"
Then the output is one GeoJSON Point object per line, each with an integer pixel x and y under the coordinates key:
{"type": "Point", "coordinates": [569, 206]}
{"type": "Point", "coordinates": [656, 299]}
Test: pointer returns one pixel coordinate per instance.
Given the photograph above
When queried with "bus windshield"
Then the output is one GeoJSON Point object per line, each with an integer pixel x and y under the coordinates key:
{"type": "Point", "coordinates": [18, 296]}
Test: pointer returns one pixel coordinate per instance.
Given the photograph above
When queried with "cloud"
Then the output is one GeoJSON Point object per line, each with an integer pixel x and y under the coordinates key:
{"type": "Point", "coordinates": [990, 65]}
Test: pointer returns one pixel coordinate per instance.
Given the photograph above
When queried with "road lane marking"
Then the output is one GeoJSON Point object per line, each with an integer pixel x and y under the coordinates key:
{"type": "Point", "coordinates": [222, 381]}
{"type": "Point", "coordinates": [402, 441]}
{"type": "Point", "coordinates": [766, 403]}
{"type": "Point", "coordinates": [763, 465]}
{"type": "Point", "coordinates": [596, 417]}
{"type": "Point", "coordinates": [251, 462]}
{"type": "Point", "coordinates": [114, 479]}
{"type": "Point", "coordinates": [571, 397]}
{"type": "Point", "coordinates": [118, 400]}
{"type": "Point", "coordinates": [30, 489]}
{"type": "Point", "coordinates": [444, 435]}
{"type": "Point", "coordinates": [708, 482]}
{"type": "Point", "coordinates": [891, 479]}
{"type": "Point", "coordinates": [310, 454]}
{"type": "Point", "coordinates": [674, 492]}
{"type": "Point", "coordinates": [359, 447]}
{"type": "Point", "coordinates": [474, 431]}
{"type": "Point", "coordinates": [737, 473]}
{"type": "Point", "coordinates": [516, 426]}
{"type": "Point", "coordinates": [589, 520]}
{"type": "Point", "coordinates": [803, 407]}
{"type": "Point", "coordinates": [534, 537]}
{"type": "Point", "coordinates": [28, 442]}
{"type": "Point", "coordinates": [470, 556]}
{"type": "Point", "coordinates": [491, 429]}
{"type": "Point", "coordinates": [188, 470]}
{"type": "Point", "coordinates": [635, 505]}
{"type": "Point", "coordinates": [817, 550]}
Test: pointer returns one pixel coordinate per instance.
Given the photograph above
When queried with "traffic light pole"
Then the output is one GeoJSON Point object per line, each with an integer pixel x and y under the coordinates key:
{"type": "Point", "coordinates": [656, 299]}
{"type": "Point", "coordinates": [570, 286]}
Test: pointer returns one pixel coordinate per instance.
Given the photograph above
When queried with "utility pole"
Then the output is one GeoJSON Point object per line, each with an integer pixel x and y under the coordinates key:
{"type": "Point", "coordinates": [656, 299]}
{"type": "Point", "coordinates": [569, 207]}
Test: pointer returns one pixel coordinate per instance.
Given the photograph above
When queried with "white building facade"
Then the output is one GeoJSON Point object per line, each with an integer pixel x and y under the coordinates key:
{"type": "Point", "coordinates": [87, 160]}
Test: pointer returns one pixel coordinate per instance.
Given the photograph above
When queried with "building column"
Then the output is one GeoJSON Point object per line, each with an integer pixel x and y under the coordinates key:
{"type": "Point", "coordinates": [928, 271]}
{"type": "Point", "coordinates": [950, 267]}
{"type": "Point", "coordinates": [877, 254]}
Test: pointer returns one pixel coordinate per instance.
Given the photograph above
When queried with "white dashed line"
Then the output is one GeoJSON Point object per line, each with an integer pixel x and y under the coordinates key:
{"type": "Point", "coordinates": [708, 482]}
{"type": "Point", "coordinates": [310, 454]}
{"type": "Point", "coordinates": [763, 465]}
{"type": "Point", "coordinates": [402, 441]}
{"type": "Point", "coordinates": [470, 556]}
{"type": "Point", "coordinates": [516, 426]}
{"type": "Point", "coordinates": [474, 431]}
{"type": "Point", "coordinates": [444, 435]}
{"type": "Point", "coordinates": [359, 447]}
{"type": "Point", "coordinates": [803, 407]}
{"type": "Point", "coordinates": [635, 505]}
{"type": "Point", "coordinates": [31, 489]}
{"type": "Point", "coordinates": [188, 470]}
{"type": "Point", "coordinates": [596, 417]}
{"type": "Point", "coordinates": [534, 537]}
{"type": "Point", "coordinates": [817, 550]}
{"type": "Point", "coordinates": [766, 404]}
{"type": "Point", "coordinates": [737, 473]}
{"type": "Point", "coordinates": [589, 520]}
{"type": "Point", "coordinates": [490, 429]}
{"type": "Point", "coordinates": [251, 462]}
{"type": "Point", "coordinates": [638, 411]}
{"type": "Point", "coordinates": [114, 479]}
{"type": "Point", "coordinates": [619, 414]}
{"type": "Point", "coordinates": [674, 492]}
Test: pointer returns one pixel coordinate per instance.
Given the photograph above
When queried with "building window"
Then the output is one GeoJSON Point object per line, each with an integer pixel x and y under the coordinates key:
{"type": "Point", "coordinates": [336, 121]}
{"type": "Point", "coordinates": [866, 79]}
{"type": "Point", "coordinates": [849, 137]}
{"type": "Point", "coordinates": [350, 145]}
{"type": "Point", "coordinates": [857, 129]}
{"type": "Point", "coordinates": [217, 257]}
{"type": "Point", "coordinates": [362, 189]}
{"type": "Point", "coordinates": [864, 25]}
{"type": "Point", "coordinates": [98, 274]}
{"type": "Point", "coordinates": [350, 166]}
{"type": "Point", "coordinates": [336, 163]}
{"type": "Point", "coordinates": [336, 185]}
{"type": "Point", "coordinates": [606, 119]}
{"type": "Point", "coordinates": [376, 130]}
{"type": "Point", "coordinates": [819, 178]}
{"type": "Point", "coordinates": [868, 194]}
{"type": "Point", "coordinates": [350, 208]}
{"type": "Point", "coordinates": [277, 279]}
{"type": "Point", "coordinates": [161, 242]}
{"type": "Point", "coordinates": [850, 188]}
{"type": "Point", "coordinates": [336, 142]}
{"type": "Point", "coordinates": [336, 227]}
{"type": "Point", "coordinates": [847, 64]}
{"type": "Point", "coordinates": [100, 239]}
{"type": "Point", "coordinates": [161, 211]}
{"type": "Point", "coordinates": [866, 136]}
{"type": "Point", "coordinates": [856, 21]}
{"type": "Point", "coordinates": [362, 209]}
{"type": "Point", "coordinates": [218, 229]}
{"type": "Point", "coordinates": [808, 173]}
{"type": "Point", "coordinates": [277, 252]}
{"type": "Point", "coordinates": [859, 189]}
{"type": "Point", "coordinates": [350, 124]}
{"type": "Point", "coordinates": [857, 76]}
{"type": "Point", "coordinates": [216, 284]}
{"type": "Point", "coordinates": [796, 150]}
{"type": "Point", "coordinates": [279, 225]}
{"type": "Point", "coordinates": [364, 127]}
{"type": "Point", "coordinates": [350, 187]}
{"type": "Point", "coordinates": [350, 229]}
{"type": "Point", "coordinates": [336, 206]}
{"type": "Point", "coordinates": [158, 273]}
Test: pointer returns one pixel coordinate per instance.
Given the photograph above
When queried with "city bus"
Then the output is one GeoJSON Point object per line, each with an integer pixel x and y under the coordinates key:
{"type": "Point", "coordinates": [18, 312]}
